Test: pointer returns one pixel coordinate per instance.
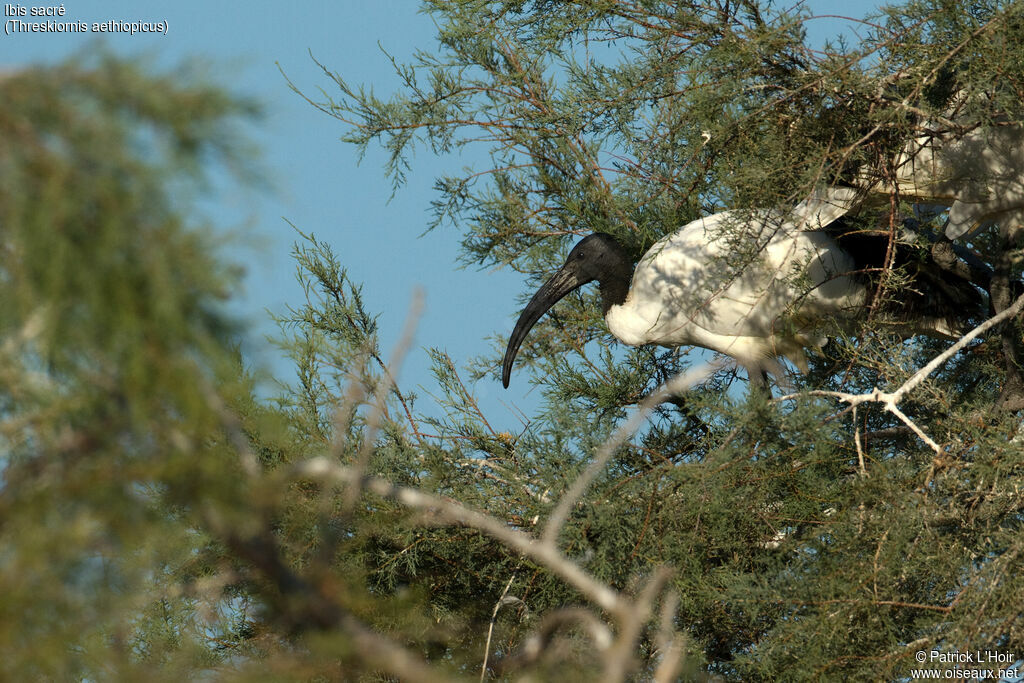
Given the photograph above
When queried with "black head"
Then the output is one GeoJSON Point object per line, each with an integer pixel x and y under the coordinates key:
{"type": "Point", "coordinates": [596, 257]}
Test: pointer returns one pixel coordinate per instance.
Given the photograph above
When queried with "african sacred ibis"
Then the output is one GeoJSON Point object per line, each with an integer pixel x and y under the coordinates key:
{"type": "Point", "coordinates": [682, 293]}
{"type": "Point", "coordinates": [975, 170]}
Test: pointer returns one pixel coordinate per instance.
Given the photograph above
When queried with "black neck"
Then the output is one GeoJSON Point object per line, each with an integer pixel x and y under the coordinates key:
{"type": "Point", "coordinates": [614, 289]}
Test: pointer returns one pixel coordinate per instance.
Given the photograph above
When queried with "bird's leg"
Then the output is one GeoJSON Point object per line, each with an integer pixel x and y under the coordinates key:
{"type": "Point", "coordinates": [961, 263]}
{"type": "Point", "coordinates": [677, 400]}
{"type": "Point", "coordinates": [758, 380]}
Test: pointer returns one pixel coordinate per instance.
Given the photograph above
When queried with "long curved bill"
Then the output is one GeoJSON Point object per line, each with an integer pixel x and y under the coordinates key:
{"type": "Point", "coordinates": [552, 291]}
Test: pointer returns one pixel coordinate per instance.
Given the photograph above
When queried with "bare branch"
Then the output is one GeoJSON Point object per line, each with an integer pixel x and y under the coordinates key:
{"type": "Point", "coordinates": [304, 605]}
{"type": "Point", "coordinates": [890, 405]}
{"type": "Point", "coordinates": [387, 655]}
{"type": "Point", "coordinates": [490, 627]}
{"type": "Point", "coordinates": [446, 510]}
{"type": "Point", "coordinates": [890, 400]}
{"type": "Point", "coordinates": [384, 387]}
{"type": "Point", "coordinates": [936, 362]}
{"type": "Point", "coordinates": [619, 659]}
{"type": "Point", "coordinates": [540, 642]}
{"type": "Point", "coordinates": [670, 642]}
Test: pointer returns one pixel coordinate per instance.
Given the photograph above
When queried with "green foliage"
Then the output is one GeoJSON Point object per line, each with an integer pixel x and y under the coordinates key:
{"type": "Point", "coordinates": [113, 337]}
{"type": "Point", "coordinates": [633, 119]}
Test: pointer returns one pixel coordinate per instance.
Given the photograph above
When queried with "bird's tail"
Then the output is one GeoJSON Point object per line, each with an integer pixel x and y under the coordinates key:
{"type": "Point", "coordinates": [906, 284]}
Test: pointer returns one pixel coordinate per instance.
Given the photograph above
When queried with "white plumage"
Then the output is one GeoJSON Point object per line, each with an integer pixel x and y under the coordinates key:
{"type": "Point", "coordinates": [978, 175]}
{"type": "Point", "coordinates": [693, 288]}
{"type": "Point", "coordinates": [684, 293]}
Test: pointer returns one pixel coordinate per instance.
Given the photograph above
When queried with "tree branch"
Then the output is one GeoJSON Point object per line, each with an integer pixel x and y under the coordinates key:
{"type": "Point", "coordinates": [890, 400]}
{"type": "Point", "coordinates": [542, 553]}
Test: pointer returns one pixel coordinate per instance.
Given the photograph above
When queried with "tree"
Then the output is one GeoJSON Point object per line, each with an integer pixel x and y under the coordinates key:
{"type": "Point", "coordinates": [114, 345]}
{"type": "Point", "coordinates": [782, 523]}
{"type": "Point", "coordinates": [158, 519]}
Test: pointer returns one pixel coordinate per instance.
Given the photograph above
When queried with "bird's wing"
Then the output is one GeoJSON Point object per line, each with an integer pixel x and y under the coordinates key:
{"type": "Point", "coordinates": [697, 277]}
{"type": "Point", "coordinates": [823, 206]}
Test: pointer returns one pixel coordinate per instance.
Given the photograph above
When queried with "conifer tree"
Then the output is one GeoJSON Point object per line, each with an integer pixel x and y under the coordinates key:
{"type": "Point", "coordinates": [115, 346]}
{"type": "Point", "coordinates": [653, 519]}
{"type": "Point", "coordinates": [862, 531]}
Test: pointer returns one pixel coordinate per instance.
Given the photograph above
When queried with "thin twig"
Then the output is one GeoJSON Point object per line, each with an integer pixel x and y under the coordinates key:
{"type": "Point", "coordinates": [384, 386]}
{"type": "Point", "coordinates": [490, 628]}
{"type": "Point", "coordinates": [856, 441]}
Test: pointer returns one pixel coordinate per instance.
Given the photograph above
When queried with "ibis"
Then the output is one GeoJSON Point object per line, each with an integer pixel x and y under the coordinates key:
{"type": "Point", "coordinates": [974, 169]}
{"type": "Point", "coordinates": [684, 291]}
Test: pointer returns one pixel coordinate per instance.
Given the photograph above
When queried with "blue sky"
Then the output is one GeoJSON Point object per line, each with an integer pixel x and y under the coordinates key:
{"type": "Point", "coordinates": [315, 180]}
